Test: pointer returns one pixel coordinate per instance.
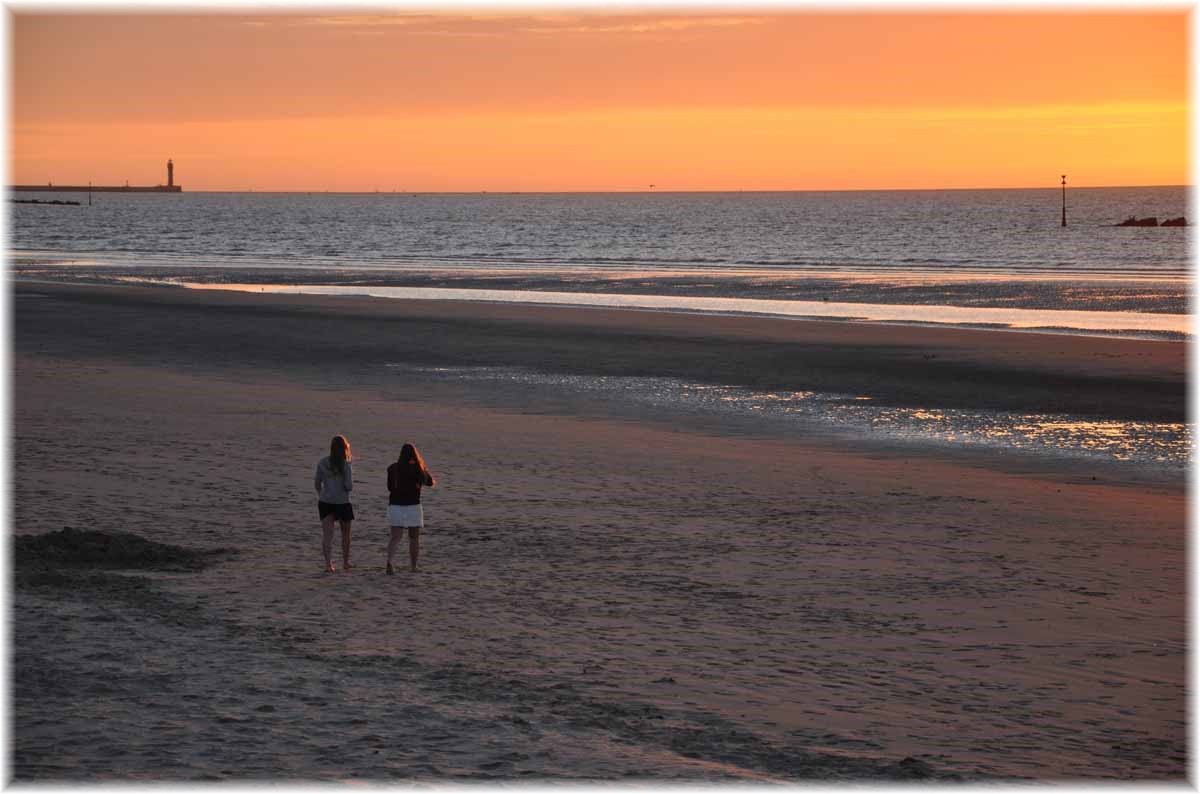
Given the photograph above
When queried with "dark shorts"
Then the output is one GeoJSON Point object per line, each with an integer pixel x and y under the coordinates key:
{"type": "Point", "coordinates": [340, 512]}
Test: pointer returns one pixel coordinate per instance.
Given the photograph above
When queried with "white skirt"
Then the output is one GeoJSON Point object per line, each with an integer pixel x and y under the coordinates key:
{"type": "Point", "coordinates": [405, 516]}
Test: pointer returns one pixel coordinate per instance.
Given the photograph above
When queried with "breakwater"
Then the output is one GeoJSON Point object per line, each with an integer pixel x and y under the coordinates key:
{"type": "Point", "coordinates": [49, 188]}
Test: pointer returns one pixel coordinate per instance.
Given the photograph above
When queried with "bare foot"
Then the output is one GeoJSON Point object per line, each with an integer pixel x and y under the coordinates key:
{"type": "Point", "coordinates": [329, 567]}
{"type": "Point", "coordinates": [347, 565]}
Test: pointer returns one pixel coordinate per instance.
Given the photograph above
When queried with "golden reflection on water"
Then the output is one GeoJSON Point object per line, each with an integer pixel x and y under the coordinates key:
{"type": "Point", "coordinates": [777, 397]}
{"type": "Point", "coordinates": [1158, 443]}
{"type": "Point", "coordinates": [1146, 441]}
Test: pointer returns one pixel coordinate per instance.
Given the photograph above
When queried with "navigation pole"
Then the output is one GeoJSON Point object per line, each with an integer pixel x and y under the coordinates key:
{"type": "Point", "coordinates": [1064, 187]}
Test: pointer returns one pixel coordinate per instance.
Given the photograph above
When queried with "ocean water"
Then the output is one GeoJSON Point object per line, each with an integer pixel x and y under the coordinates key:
{"type": "Point", "coordinates": [986, 258]}
{"type": "Point", "coordinates": [943, 231]}
{"type": "Point", "coordinates": [963, 248]}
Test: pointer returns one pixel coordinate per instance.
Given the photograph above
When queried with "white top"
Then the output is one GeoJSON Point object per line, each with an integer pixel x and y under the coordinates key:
{"type": "Point", "coordinates": [335, 488]}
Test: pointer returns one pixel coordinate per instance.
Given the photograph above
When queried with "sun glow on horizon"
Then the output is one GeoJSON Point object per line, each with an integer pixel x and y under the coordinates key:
{"type": "Point", "coordinates": [445, 102]}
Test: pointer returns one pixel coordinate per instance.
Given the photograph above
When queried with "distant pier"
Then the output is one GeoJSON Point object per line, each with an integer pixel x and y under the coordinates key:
{"type": "Point", "coordinates": [95, 189]}
{"type": "Point", "coordinates": [50, 187]}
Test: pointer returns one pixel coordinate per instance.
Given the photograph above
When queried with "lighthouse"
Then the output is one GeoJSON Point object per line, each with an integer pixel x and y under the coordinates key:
{"type": "Point", "coordinates": [170, 174]}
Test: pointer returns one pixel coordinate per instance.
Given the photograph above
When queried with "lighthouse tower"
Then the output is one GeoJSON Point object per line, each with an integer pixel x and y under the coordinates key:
{"type": "Point", "coordinates": [170, 174]}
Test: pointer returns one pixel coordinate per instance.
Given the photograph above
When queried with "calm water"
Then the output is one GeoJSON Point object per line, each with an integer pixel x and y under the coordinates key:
{"type": "Point", "coordinates": [981, 248]}
{"type": "Point", "coordinates": [1009, 231]}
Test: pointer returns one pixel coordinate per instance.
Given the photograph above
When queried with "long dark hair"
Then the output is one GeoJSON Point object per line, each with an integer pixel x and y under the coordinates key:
{"type": "Point", "coordinates": [339, 453]}
{"type": "Point", "coordinates": [412, 462]}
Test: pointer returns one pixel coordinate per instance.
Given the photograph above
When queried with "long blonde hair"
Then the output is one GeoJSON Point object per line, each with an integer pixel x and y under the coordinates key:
{"type": "Point", "coordinates": [339, 454]}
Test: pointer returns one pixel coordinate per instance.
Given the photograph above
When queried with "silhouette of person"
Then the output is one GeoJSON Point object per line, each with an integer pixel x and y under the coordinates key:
{"type": "Point", "coordinates": [405, 479]}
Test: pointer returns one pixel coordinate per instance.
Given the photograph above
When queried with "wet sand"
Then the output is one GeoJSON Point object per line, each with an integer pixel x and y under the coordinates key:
{"type": "Point", "coordinates": [602, 597]}
{"type": "Point", "coordinates": [894, 364]}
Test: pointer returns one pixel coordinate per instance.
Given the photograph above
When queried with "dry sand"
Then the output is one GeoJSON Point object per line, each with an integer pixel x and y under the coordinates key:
{"type": "Point", "coordinates": [603, 596]}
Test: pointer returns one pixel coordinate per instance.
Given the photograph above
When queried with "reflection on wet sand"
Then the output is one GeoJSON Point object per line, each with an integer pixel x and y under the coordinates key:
{"type": "Point", "coordinates": [1134, 323]}
{"type": "Point", "coordinates": [1149, 289]}
{"type": "Point", "coordinates": [1165, 445]}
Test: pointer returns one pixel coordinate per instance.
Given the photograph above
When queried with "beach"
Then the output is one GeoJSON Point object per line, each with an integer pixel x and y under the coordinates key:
{"type": "Point", "coordinates": [608, 591]}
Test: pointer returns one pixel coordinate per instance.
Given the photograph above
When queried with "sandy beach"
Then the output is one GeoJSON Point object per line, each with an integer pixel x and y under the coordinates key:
{"type": "Point", "coordinates": [606, 593]}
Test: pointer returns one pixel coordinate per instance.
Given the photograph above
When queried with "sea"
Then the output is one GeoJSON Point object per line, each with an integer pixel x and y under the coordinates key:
{"type": "Point", "coordinates": [998, 259]}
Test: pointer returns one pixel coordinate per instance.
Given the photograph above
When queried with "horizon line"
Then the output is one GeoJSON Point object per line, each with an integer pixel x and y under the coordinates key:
{"type": "Point", "coordinates": [396, 191]}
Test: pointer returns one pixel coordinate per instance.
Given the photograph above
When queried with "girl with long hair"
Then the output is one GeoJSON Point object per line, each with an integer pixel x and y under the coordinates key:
{"type": "Point", "coordinates": [405, 479]}
{"type": "Point", "coordinates": [334, 480]}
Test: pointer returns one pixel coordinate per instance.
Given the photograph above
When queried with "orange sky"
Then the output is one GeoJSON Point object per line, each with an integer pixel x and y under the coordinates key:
{"type": "Point", "coordinates": [576, 101]}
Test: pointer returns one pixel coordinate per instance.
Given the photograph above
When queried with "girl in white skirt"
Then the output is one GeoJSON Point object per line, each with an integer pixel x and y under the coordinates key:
{"type": "Point", "coordinates": [405, 479]}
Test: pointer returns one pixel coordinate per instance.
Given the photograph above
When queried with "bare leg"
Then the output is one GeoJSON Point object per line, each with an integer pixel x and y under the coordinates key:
{"type": "Point", "coordinates": [327, 541]}
{"type": "Point", "coordinates": [346, 543]}
{"type": "Point", "coordinates": [414, 545]}
{"type": "Point", "coordinates": [397, 533]}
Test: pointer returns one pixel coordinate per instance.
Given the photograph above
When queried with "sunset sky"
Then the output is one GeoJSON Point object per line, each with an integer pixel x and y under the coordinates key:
{"type": "Point", "coordinates": [450, 101]}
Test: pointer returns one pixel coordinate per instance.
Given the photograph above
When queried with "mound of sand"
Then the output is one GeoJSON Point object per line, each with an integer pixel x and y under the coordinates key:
{"type": "Point", "coordinates": [88, 548]}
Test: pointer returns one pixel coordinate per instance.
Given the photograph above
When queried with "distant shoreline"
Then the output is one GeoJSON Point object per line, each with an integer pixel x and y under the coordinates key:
{"type": "Point", "coordinates": [628, 191]}
{"type": "Point", "coordinates": [95, 189]}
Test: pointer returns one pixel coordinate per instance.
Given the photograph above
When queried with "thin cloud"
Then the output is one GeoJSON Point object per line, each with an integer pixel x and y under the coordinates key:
{"type": "Point", "coordinates": [373, 20]}
{"type": "Point", "coordinates": [669, 24]}
{"type": "Point", "coordinates": [342, 21]}
{"type": "Point", "coordinates": [498, 25]}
